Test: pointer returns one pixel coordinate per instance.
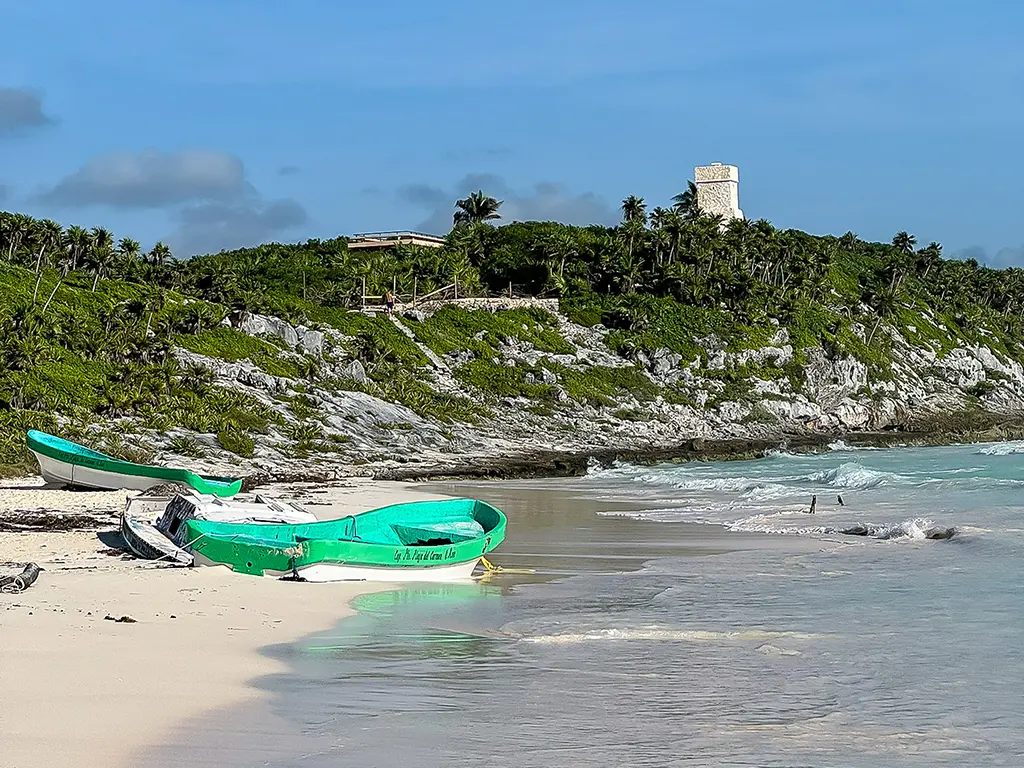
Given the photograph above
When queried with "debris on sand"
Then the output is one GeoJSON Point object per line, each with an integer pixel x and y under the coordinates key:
{"type": "Point", "coordinates": [13, 583]}
{"type": "Point", "coordinates": [23, 520]}
{"type": "Point", "coordinates": [122, 620]}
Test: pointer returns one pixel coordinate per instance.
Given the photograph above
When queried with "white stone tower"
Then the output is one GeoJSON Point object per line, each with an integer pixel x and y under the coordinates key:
{"type": "Point", "coordinates": [718, 190]}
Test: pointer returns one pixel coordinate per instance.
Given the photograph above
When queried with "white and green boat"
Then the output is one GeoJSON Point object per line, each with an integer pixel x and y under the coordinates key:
{"type": "Point", "coordinates": [440, 540]}
{"type": "Point", "coordinates": [66, 463]}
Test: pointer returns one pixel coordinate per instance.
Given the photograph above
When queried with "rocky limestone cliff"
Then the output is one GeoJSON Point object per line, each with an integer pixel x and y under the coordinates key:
{"type": "Point", "coordinates": [762, 394]}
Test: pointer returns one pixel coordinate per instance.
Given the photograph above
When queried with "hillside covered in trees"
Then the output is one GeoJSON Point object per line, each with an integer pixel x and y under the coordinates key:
{"type": "Point", "coordinates": [105, 342]}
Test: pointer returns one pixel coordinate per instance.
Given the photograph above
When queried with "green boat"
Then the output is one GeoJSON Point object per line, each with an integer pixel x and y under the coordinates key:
{"type": "Point", "coordinates": [67, 463]}
{"type": "Point", "coordinates": [420, 541]}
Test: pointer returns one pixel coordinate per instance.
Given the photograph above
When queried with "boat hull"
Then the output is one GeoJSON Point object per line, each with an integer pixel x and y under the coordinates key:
{"type": "Point", "coordinates": [325, 573]}
{"type": "Point", "coordinates": [64, 473]}
{"type": "Point", "coordinates": [146, 542]}
{"type": "Point", "coordinates": [64, 462]}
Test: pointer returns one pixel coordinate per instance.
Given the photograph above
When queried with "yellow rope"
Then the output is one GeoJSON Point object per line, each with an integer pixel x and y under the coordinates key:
{"type": "Point", "coordinates": [491, 568]}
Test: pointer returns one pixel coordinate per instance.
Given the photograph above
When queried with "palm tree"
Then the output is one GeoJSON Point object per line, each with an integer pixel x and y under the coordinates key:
{"type": "Point", "coordinates": [49, 236]}
{"type": "Point", "coordinates": [885, 301]}
{"type": "Point", "coordinates": [160, 254]}
{"type": "Point", "coordinates": [15, 227]}
{"type": "Point", "coordinates": [476, 209]}
{"type": "Point", "coordinates": [101, 260]}
{"type": "Point", "coordinates": [101, 238]}
{"type": "Point", "coordinates": [77, 243]}
{"type": "Point", "coordinates": [686, 202]}
{"type": "Point", "coordinates": [634, 211]}
{"type": "Point", "coordinates": [6, 229]}
{"type": "Point", "coordinates": [561, 247]}
{"type": "Point", "coordinates": [558, 249]}
{"type": "Point", "coordinates": [672, 225]}
{"type": "Point", "coordinates": [470, 241]}
{"type": "Point", "coordinates": [129, 252]}
{"type": "Point", "coordinates": [849, 241]}
{"type": "Point", "coordinates": [929, 258]}
{"type": "Point", "coordinates": [904, 242]}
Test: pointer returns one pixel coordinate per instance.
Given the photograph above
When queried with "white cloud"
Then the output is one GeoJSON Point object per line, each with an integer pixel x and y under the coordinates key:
{"type": "Point", "coordinates": [152, 179]}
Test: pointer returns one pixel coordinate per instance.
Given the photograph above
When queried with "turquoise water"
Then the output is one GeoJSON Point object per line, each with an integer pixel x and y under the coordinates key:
{"type": "Point", "coordinates": [651, 636]}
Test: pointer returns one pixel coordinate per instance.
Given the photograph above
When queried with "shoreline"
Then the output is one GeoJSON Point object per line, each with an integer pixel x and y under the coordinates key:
{"type": "Point", "coordinates": [94, 690]}
{"type": "Point", "coordinates": [575, 463]}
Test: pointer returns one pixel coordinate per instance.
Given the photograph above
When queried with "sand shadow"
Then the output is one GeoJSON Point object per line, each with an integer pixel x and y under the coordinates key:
{"type": "Point", "coordinates": [59, 487]}
{"type": "Point", "coordinates": [43, 487]}
{"type": "Point", "coordinates": [113, 540]}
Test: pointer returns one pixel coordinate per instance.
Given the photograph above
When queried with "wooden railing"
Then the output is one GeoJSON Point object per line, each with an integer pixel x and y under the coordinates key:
{"type": "Point", "coordinates": [444, 294]}
{"type": "Point", "coordinates": [406, 298]}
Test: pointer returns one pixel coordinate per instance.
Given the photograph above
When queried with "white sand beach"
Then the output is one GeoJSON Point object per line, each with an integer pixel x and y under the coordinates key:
{"type": "Point", "coordinates": [84, 690]}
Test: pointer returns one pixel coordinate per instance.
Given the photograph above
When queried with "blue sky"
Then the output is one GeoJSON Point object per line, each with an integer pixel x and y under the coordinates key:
{"type": "Point", "coordinates": [220, 124]}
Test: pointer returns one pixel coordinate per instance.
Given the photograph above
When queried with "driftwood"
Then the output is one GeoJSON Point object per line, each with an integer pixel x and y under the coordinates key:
{"type": "Point", "coordinates": [22, 581]}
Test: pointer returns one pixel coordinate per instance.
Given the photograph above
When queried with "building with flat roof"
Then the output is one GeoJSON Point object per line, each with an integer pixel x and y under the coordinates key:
{"type": "Point", "coordinates": [377, 240]}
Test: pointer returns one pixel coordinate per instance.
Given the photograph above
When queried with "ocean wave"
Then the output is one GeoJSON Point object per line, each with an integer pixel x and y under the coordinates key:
{"type": "Point", "coordinates": [769, 492]}
{"type": "Point", "coordinates": [1002, 449]}
{"type": "Point", "coordinates": [849, 475]}
{"type": "Point", "coordinates": [669, 478]}
{"type": "Point", "coordinates": [917, 528]}
{"type": "Point", "coordinates": [852, 475]}
{"type": "Point", "coordinates": [842, 445]}
{"type": "Point", "coordinates": [670, 635]}
{"type": "Point", "coordinates": [669, 515]}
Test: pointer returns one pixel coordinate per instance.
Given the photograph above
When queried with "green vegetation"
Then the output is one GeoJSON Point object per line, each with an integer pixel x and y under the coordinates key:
{"type": "Point", "coordinates": [981, 389]}
{"type": "Point", "coordinates": [229, 344]}
{"type": "Point", "coordinates": [376, 340]}
{"type": "Point", "coordinates": [303, 407]}
{"type": "Point", "coordinates": [184, 446]}
{"type": "Point", "coordinates": [399, 385]}
{"type": "Point", "coordinates": [454, 328]}
{"type": "Point", "coordinates": [88, 323]}
{"type": "Point", "coordinates": [497, 380]}
{"type": "Point", "coordinates": [237, 442]}
{"type": "Point", "coordinates": [603, 386]}
{"type": "Point", "coordinates": [632, 414]}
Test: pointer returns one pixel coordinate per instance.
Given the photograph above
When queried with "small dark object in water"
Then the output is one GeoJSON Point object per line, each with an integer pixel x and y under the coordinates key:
{"type": "Point", "coordinates": [935, 534]}
{"type": "Point", "coordinates": [814, 503]}
{"type": "Point", "coordinates": [857, 530]}
{"type": "Point", "coordinates": [840, 500]}
{"type": "Point", "coordinates": [21, 581]}
{"type": "Point", "coordinates": [122, 620]}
